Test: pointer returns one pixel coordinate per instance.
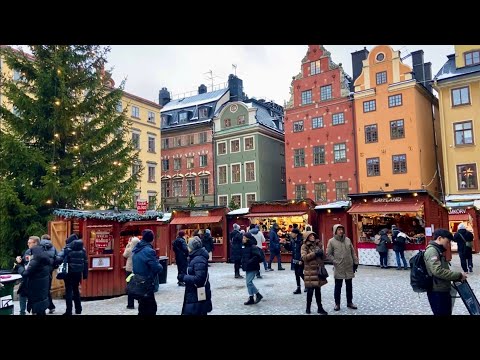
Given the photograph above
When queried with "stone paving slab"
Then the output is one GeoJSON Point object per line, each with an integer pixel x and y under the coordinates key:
{"type": "Point", "coordinates": [376, 291]}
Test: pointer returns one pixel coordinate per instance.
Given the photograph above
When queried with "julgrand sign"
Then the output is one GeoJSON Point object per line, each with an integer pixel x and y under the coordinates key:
{"type": "Point", "coordinates": [387, 200]}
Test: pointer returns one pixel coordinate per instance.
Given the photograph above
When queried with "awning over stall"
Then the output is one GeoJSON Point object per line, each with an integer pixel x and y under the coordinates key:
{"type": "Point", "coordinates": [282, 214]}
{"type": "Point", "coordinates": [384, 208]}
{"type": "Point", "coordinates": [196, 220]}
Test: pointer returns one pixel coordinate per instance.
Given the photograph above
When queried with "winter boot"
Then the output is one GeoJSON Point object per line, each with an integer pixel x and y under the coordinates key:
{"type": "Point", "coordinates": [321, 310]}
{"type": "Point", "coordinates": [258, 298]}
{"type": "Point", "coordinates": [250, 301]}
{"type": "Point", "coordinates": [298, 291]}
{"type": "Point", "coordinates": [238, 276]}
{"type": "Point", "coordinates": [309, 302]}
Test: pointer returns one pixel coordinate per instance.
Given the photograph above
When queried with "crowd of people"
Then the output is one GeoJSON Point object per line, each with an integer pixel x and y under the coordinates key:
{"type": "Point", "coordinates": [192, 257]}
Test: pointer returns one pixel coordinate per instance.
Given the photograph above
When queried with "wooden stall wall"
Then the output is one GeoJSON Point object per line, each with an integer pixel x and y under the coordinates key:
{"type": "Point", "coordinates": [326, 220]}
{"type": "Point", "coordinates": [58, 231]}
{"type": "Point", "coordinates": [164, 242]}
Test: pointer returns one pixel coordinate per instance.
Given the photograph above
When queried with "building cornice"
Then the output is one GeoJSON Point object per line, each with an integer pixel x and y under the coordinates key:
{"type": "Point", "coordinates": [364, 93]}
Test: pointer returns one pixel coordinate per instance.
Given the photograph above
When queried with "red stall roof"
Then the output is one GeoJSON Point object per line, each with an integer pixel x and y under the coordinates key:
{"type": "Point", "coordinates": [385, 208]}
{"type": "Point", "coordinates": [196, 220]}
{"type": "Point", "coordinates": [273, 214]}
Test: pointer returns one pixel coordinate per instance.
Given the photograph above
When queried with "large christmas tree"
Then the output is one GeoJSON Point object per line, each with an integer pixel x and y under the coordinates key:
{"type": "Point", "coordinates": [62, 142]}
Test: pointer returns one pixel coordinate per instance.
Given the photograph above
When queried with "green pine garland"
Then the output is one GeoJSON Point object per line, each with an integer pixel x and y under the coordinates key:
{"type": "Point", "coordinates": [121, 216]}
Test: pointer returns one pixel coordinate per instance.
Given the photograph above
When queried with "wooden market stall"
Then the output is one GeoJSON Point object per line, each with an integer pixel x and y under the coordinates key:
{"type": "Point", "coordinates": [331, 214]}
{"type": "Point", "coordinates": [372, 212]}
{"type": "Point", "coordinates": [105, 234]}
{"type": "Point", "coordinates": [285, 213]}
{"type": "Point", "coordinates": [212, 217]}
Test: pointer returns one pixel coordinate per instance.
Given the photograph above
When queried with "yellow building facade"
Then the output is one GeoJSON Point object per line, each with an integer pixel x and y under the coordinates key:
{"type": "Point", "coordinates": [395, 118]}
{"type": "Point", "coordinates": [145, 134]}
{"type": "Point", "coordinates": [458, 87]}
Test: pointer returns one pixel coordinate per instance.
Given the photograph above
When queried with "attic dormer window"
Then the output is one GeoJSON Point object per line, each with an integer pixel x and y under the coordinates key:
{"type": "Point", "coordinates": [203, 113]}
{"type": "Point", "coordinates": [165, 120]}
{"type": "Point", "coordinates": [183, 117]}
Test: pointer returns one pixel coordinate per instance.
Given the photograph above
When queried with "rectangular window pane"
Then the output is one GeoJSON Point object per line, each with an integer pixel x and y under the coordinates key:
{"type": "Point", "coordinates": [250, 198]}
{"type": "Point", "coordinates": [151, 117]}
{"type": "Point", "coordinates": [341, 188]}
{"type": "Point", "coordinates": [338, 119]}
{"type": "Point", "coordinates": [151, 173]}
{"type": "Point", "coordinates": [151, 144]}
{"type": "Point", "coordinates": [177, 188]}
{"type": "Point", "coordinates": [340, 152]}
{"type": "Point", "coordinates": [371, 133]}
{"type": "Point", "coordinates": [395, 100]}
{"type": "Point", "coordinates": [318, 155]}
{"type": "Point", "coordinates": [203, 160]}
{"type": "Point", "coordinates": [152, 202]}
{"type": "Point", "coordinates": [190, 162]}
{"type": "Point", "coordinates": [321, 192]}
{"type": "Point", "coordinates": [234, 145]}
{"type": "Point", "coordinates": [165, 189]}
{"type": "Point", "coordinates": [298, 126]}
{"type": "Point", "coordinates": [249, 143]}
{"type": "Point", "coordinates": [381, 77]}
{"type": "Point", "coordinates": [467, 176]}
{"type": "Point", "coordinates": [299, 157]}
{"type": "Point", "coordinates": [250, 171]}
{"type": "Point", "coordinates": [165, 165]}
{"type": "Point", "coordinates": [223, 200]}
{"type": "Point", "coordinates": [397, 129]}
{"type": "Point", "coordinates": [306, 97]}
{"type": "Point", "coordinates": [460, 96]}
{"type": "Point", "coordinates": [236, 173]}
{"type": "Point", "coordinates": [315, 67]}
{"type": "Point", "coordinates": [222, 174]}
{"type": "Point", "coordinates": [369, 106]}
{"type": "Point", "coordinates": [135, 111]}
{"type": "Point", "coordinates": [222, 148]}
{"type": "Point", "coordinates": [373, 167]}
{"type": "Point", "coordinates": [300, 192]}
{"type": "Point", "coordinates": [177, 164]}
{"type": "Point", "coordinates": [191, 186]}
{"type": "Point", "coordinates": [399, 164]}
{"type": "Point", "coordinates": [463, 133]}
{"type": "Point", "coordinates": [204, 186]}
{"type": "Point", "coordinates": [326, 92]}
{"type": "Point", "coordinates": [136, 140]}
{"type": "Point", "coordinates": [317, 122]}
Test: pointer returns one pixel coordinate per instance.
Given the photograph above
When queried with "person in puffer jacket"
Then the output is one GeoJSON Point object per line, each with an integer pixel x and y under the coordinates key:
{"type": "Point", "coordinates": [75, 255]}
{"type": "Point", "coordinates": [52, 254]}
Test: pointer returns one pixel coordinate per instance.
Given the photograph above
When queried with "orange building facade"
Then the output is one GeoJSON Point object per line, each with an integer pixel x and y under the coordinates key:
{"type": "Point", "coordinates": [396, 126]}
{"type": "Point", "coordinates": [319, 136]}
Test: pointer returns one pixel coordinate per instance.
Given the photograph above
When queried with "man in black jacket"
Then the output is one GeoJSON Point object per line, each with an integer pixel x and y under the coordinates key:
{"type": "Point", "coordinates": [181, 255]}
{"type": "Point", "coordinates": [52, 253]}
{"type": "Point", "coordinates": [75, 255]}
{"type": "Point", "coordinates": [464, 239]}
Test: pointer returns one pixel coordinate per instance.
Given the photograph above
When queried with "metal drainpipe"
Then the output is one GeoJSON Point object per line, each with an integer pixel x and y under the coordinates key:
{"type": "Point", "coordinates": [213, 161]}
{"type": "Point", "coordinates": [436, 155]}
{"type": "Point", "coordinates": [355, 144]}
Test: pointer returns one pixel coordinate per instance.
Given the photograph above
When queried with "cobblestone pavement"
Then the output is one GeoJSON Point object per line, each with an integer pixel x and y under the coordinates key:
{"type": "Point", "coordinates": [375, 291]}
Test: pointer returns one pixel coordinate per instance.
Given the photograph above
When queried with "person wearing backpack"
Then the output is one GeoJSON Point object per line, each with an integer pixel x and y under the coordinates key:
{"type": "Point", "coordinates": [464, 239]}
{"type": "Point", "coordinates": [438, 267]}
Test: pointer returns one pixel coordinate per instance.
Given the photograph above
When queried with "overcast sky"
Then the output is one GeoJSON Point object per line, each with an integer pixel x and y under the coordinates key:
{"type": "Point", "coordinates": [266, 70]}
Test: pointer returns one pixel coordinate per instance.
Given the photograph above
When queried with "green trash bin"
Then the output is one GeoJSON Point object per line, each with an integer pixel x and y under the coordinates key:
{"type": "Point", "coordinates": [162, 277]}
{"type": "Point", "coordinates": [8, 281]}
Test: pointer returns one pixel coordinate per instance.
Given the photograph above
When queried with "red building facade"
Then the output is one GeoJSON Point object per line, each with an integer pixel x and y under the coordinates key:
{"type": "Point", "coordinates": [320, 132]}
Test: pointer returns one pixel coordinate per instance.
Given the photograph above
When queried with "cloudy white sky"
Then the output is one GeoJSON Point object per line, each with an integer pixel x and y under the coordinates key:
{"type": "Point", "coordinates": [266, 70]}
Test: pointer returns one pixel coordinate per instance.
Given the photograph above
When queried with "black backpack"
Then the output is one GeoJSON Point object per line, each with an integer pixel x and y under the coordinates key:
{"type": "Point", "coordinates": [419, 278]}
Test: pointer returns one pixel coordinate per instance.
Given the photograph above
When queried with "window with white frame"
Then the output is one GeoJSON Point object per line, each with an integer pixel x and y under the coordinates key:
{"type": "Point", "coordinates": [165, 143]}
{"type": "Point", "coordinates": [203, 113]}
{"type": "Point", "coordinates": [151, 144]}
{"type": "Point", "coordinates": [223, 200]}
{"type": "Point", "coordinates": [135, 168]}
{"type": "Point", "coordinates": [306, 97]}
{"type": "Point", "coordinates": [222, 174]}
{"type": "Point", "coordinates": [250, 171]}
{"type": "Point", "coordinates": [203, 160]}
{"type": "Point", "coordinates": [298, 157]}
{"type": "Point", "coordinates": [165, 165]}
{"type": "Point", "coordinates": [237, 199]}
{"type": "Point", "coordinates": [183, 117]}
{"type": "Point", "coordinates": [221, 148]}
{"type": "Point", "coordinates": [178, 141]}
{"type": "Point", "coordinates": [317, 122]}
{"type": "Point", "coordinates": [190, 139]}
{"type": "Point", "coordinates": [152, 201]}
{"type": "Point", "coordinates": [248, 143]}
{"type": "Point", "coordinates": [241, 120]}
{"type": "Point", "coordinates": [340, 152]}
{"type": "Point", "coordinates": [227, 122]}
{"type": "Point", "coordinates": [461, 96]}
{"type": "Point", "coordinates": [151, 117]}
{"type": "Point", "coordinates": [315, 67]}
{"type": "Point", "coordinates": [235, 145]}
{"type": "Point", "coordinates": [190, 162]}
{"type": "Point", "coordinates": [326, 92]}
{"type": "Point", "coordinates": [204, 186]}
{"type": "Point", "coordinates": [136, 140]}
{"type": "Point", "coordinates": [136, 111]}
{"type": "Point", "coordinates": [151, 173]}
{"type": "Point", "coordinates": [236, 178]}
{"type": "Point", "coordinates": [341, 188]}
{"type": "Point", "coordinates": [319, 155]}
{"type": "Point", "coordinates": [463, 133]}
{"type": "Point", "coordinates": [320, 191]}
{"type": "Point", "coordinates": [338, 119]}
{"type": "Point", "coordinates": [250, 198]}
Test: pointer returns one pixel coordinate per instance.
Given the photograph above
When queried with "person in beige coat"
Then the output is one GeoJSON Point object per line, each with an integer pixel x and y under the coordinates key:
{"type": "Point", "coordinates": [313, 257]}
{"type": "Point", "coordinates": [127, 254]}
{"type": "Point", "coordinates": [345, 262]}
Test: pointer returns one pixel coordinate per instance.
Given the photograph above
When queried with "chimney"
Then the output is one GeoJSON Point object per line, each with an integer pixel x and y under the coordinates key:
{"type": "Point", "coordinates": [236, 88]}
{"type": "Point", "coordinates": [357, 62]}
{"type": "Point", "coordinates": [202, 89]}
{"type": "Point", "coordinates": [427, 69]}
{"type": "Point", "coordinates": [418, 66]}
{"type": "Point", "coordinates": [163, 96]}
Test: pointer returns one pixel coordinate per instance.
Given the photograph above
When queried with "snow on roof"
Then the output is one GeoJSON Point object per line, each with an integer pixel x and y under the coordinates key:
{"type": "Point", "coordinates": [461, 197]}
{"type": "Point", "coordinates": [194, 100]}
{"type": "Point", "coordinates": [166, 217]}
{"type": "Point", "coordinates": [241, 211]}
{"type": "Point", "coordinates": [334, 205]}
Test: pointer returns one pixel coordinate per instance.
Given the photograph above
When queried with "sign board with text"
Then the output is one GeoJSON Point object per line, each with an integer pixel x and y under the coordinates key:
{"type": "Point", "coordinates": [142, 206]}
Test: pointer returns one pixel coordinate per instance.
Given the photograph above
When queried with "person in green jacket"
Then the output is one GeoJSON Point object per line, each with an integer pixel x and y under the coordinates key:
{"type": "Point", "coordinates": [438, 267]}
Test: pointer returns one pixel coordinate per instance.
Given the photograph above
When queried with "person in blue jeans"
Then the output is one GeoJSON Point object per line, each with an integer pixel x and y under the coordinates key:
{"type": "Point", "coordinates": [399, 240]}
{"type": "Point", "coordinates": [251, 259]}
{"type": "Point", "coordinates": [275, 247]}
{"type": "Point", "coordinates": [257, 234]}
